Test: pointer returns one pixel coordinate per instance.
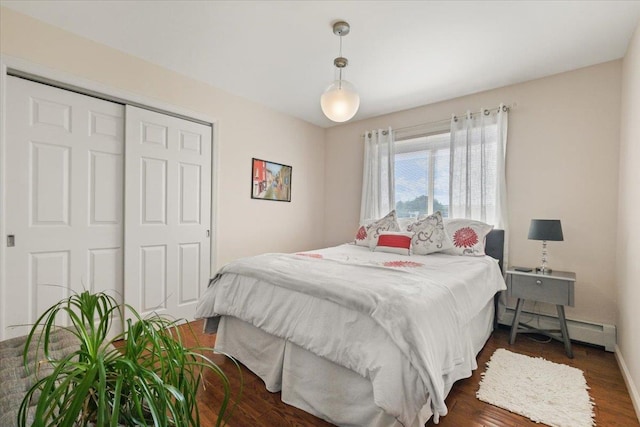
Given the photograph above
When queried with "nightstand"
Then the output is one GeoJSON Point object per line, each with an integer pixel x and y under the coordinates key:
{"type": "Point", "coordinates": [555, 288]}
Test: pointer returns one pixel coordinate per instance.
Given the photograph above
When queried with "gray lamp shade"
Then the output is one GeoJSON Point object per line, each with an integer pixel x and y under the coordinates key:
{"type": "Point", "coordinates": [546, 229]}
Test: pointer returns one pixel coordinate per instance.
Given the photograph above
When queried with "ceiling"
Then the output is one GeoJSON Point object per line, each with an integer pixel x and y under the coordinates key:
{"type": "Point", "coordinates": [402, 54]}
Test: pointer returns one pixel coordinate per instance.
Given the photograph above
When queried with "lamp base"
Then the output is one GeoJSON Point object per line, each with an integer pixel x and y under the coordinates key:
{"type": "Point", "coordinates": [543, 270]}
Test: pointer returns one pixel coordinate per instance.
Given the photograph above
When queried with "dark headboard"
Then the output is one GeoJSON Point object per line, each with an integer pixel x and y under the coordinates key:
{"type": "Point", "coordinates": [494, 245]}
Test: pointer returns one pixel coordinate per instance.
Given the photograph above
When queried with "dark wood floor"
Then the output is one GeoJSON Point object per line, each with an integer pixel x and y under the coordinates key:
{"type": "Point", "coordinates": [258, 407]}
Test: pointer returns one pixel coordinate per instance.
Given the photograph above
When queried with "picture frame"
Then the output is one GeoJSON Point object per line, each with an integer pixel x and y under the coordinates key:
{"type": "Point", "coordinates": [270, 180]}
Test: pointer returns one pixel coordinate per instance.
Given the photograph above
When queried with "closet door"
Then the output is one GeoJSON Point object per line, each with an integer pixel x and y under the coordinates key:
{"type": "Point", "coordinates": [64, 199]}
{"type": "Point", "coordinates": [167, 212]}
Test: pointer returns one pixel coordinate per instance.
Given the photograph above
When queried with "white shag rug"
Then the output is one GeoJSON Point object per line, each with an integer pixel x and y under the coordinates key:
{"type": "Point", "coordinates": [543, 391]}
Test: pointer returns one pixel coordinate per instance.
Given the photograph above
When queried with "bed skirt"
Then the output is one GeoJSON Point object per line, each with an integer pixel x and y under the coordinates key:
{"type": "Point", "coordinates": [317, 385]}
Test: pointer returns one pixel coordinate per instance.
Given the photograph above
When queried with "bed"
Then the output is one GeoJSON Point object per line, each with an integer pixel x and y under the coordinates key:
{"type": "Point", "coordinates": [356, 337]}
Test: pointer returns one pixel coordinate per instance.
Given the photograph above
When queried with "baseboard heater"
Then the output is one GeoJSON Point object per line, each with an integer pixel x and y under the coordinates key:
{"type": "Point", "coordinates": [600, 334]}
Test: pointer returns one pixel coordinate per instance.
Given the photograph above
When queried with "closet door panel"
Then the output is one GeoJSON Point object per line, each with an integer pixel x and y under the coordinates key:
{"type": "Point", "coordinates": [49, 189]}
{"type": "Point", "coordinates": [64, 199]}
{"type": "Point", "coordinates": [105, 268]}
{"type": "Point", "coordinates": [105, 191]}
{"type": "Point", "coordinates": [189, 193]}
{"type": "Point", "coordinates": [189, 274]}
{"type": "Point", "coordinates": [49, 276]}
{"type": "Point", "coordinates": [153, 278]}
{"type": "Point", "coordinates": [153, 180]}
{"type": "Point", "coordinates": [167, 212]}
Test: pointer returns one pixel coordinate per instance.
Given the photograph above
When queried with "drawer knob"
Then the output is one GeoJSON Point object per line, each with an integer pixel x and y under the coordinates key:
{"type": "Point", "coordinates": [538, 282]}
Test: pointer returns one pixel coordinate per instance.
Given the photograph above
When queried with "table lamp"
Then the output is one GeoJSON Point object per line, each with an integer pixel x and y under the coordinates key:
{"type": "Point", "coordinates": [545, 229]}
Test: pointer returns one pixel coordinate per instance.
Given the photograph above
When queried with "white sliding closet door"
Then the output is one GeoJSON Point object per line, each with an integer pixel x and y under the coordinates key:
{"type": "Point", "coordinates": [64, 199]}
{"type": "Point", "coordinates": [167, 212]}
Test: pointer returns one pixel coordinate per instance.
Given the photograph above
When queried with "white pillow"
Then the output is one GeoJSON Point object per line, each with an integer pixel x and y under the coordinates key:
{"type": "Point", "coordinates": [468, 236]}
{"type": "Point", "coordinates": [429, 235]}
{"type": "Point", "coordinates": [367, 235]}
{"type": "Point", "coordinates": [403, 223]}
{"type": "Point", "coordinates": [394, 242]}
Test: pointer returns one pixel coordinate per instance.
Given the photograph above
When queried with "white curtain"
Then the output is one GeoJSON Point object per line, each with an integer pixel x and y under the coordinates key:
{"type": "Point", "coordinates": [378, 196]}
{"type": "Point", "coordinates": [477, 180]}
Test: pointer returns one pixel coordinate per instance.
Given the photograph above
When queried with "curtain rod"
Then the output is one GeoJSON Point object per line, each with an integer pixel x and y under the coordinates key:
{"type": "Point", "coordinates": [486, 111]}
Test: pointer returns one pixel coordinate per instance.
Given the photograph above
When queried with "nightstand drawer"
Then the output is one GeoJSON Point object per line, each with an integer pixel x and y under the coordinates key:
{"type": "Point", "coordinates": [540, 288]}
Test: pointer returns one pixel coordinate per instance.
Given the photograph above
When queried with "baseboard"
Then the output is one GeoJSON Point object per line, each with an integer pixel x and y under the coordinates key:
{"type": "Point", "coordinates": [592, 333]}
{"type": "Point", "coordinates": [633, 390]}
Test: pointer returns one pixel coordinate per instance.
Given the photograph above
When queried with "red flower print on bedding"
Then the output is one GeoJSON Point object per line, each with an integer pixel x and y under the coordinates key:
{"type": "Point", "coordinates": [319, 256]}
{"type": "Point", "coordinates": [362, 233]}
{"type": "Point", "coordinates": [465, 237]}
{"type": "Point", "coordinates": [402, 264]}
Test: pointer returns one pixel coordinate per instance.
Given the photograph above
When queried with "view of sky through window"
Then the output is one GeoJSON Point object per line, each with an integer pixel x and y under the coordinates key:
{"type": "Point", "coordinates": [421, 173]}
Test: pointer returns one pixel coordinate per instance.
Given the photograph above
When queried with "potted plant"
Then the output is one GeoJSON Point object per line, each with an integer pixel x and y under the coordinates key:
{"type": "Point", "coordinates": [150, 378]}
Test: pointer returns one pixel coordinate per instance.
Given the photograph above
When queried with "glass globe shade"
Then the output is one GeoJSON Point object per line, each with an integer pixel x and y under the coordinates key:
{"type": "Point", "coordinates": [340, 101]}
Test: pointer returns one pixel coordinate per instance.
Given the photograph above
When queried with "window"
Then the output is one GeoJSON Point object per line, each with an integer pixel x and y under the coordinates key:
{"type": "Point", "coordinates": [422, 175]}
{"type": "Point", "coordinates": [457, 168]}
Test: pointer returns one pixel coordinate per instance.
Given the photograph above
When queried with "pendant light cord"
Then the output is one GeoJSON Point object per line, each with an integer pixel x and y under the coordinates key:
{"type": "Point", "coordinates": [340, 68]}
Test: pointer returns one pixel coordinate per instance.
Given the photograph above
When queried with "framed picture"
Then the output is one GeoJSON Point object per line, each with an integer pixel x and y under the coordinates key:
{"type": "Point", "coordinates": [270, 181]}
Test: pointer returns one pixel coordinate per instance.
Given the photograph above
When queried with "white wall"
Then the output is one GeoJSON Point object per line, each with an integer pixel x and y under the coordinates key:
{"type": "Point", "coordinates": [562, 162]}
{"type": "Point", "coordinates": [628, 266]}
{"type": "Point", "coordinates": [246, 130]}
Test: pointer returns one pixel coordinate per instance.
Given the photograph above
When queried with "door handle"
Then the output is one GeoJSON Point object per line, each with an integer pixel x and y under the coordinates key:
{"type": "Point", "coordinates": [11, 240]}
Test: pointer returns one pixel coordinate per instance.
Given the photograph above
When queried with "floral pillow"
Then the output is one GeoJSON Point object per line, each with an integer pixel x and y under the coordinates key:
{"type": "Point", "coordinates": [429, 235]}
{"type": "Point", "coordinates": [468, 236]}
{"type": "Point", "coordinates": [394, 242]}
{"type": "Point", "coordinates": [367, 235]}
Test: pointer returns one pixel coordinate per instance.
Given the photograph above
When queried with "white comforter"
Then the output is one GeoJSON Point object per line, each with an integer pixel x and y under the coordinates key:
{"type": "Point", "coordinates": [328, 301]}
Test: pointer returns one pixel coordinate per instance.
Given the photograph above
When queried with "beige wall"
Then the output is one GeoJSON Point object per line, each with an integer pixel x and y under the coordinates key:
{"type": "Point", "coordinates": [562, 162]}
{"type": "Point", "coordinates": [246, 130]}
{"type": "Point", "coordinates": [628, 267]}
{"type": "Point", "coordinates": [562, 157]}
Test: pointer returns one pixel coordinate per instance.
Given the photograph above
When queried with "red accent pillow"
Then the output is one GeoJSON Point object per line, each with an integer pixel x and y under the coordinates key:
{"type": "Point", "coordinates": [394, 242]}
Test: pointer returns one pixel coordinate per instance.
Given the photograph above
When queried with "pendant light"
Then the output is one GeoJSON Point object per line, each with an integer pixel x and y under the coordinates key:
{"type": "Point", "coordinates": [340, 101]}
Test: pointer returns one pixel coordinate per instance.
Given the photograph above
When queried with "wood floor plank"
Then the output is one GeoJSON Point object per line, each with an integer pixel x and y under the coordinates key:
{"type": "Point", "coordinates": [258, 407]}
